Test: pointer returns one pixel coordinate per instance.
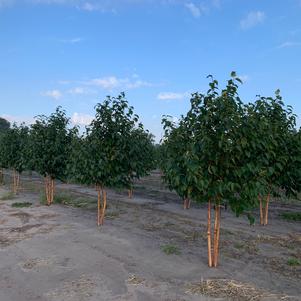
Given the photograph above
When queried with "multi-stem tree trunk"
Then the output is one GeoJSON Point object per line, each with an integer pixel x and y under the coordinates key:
{"type": "Point", "coordinates": [264, 209]}
{"type": "Point", "coordinates": [213, 253]}
{"type": "Point", "coordinates": [130, 192]}
{"type": "Point", "coordinates": [101, 204]}
{"type": "Point", "coordinates": [49, 189]}
{"type": "Point", "coordinates": [16, 181]}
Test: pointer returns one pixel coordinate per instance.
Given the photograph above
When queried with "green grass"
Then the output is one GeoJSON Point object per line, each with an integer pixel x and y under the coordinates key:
{"type": "Point", "coordinates": [294, 262]}
{"type": "Point", "coordinates": [292, 216]}
{"type": "Point", "coordinates": [59, 198]}
{"type": "Point", "coordinates": [21, 205]}
{"type": "Point", "coordinates": [7, 196]}
{"type": "Point", "coordinates": [170, 249]}
{"type": "Point", "coordinates": [68, 200]}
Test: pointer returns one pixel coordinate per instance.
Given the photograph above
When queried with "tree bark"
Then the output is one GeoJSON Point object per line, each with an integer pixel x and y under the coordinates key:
{"type": "Point", "coordinates": [261, 210]}
{"type": "Point", "coordinates": [1, 176]}
{"type": "Point", "coordinates": [209, 234]}
{"type": "Point", "coordinates": [266, 212]}
{"type": "Point", "coordinates": [104, 206]}
{"type": "Point", "coordinates": [98, 204]}
{"type": "Point", "coordinates": [130, 193]}
{"type": "Point", "coordinates": [217, 233]}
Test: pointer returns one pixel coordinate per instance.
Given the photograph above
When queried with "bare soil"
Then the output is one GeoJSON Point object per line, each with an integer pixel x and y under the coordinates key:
{"type": "Point", "coordinates": [58, 253]}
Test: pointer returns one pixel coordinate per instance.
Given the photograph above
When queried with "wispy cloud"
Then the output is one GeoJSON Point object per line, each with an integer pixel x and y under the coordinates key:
{"type": "Point", "coordinates": [18, 119]}
{"type": "Point", "coordinates": [113, 82]}
{"type": "Point", "coordinates": [81, 119]}
{"type": "Point", "coordinates": [289, 44]}
{"type": "Point", "coordinates": [55, 94]}
{"type": "Point", "coordinates": [72, 41]}
{"type": "Point", "coordinates": [81, 91]}
{"type": "Point", "coordinates": [253, 19]}
{"type": "Point", "coordinates": [172, 95]}
{"type": "Point", "coordinates": [196, 10]}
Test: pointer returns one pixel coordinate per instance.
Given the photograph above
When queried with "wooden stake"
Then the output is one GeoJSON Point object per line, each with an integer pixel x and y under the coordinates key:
{"type": "Point", "coordinates": [209, 234]}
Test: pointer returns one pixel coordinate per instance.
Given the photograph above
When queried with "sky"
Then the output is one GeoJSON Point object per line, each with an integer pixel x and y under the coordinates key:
{"type": "Point", "coordinates": [74, 53]}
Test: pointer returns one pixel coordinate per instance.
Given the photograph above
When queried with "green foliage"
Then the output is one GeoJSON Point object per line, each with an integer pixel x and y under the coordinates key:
{"type": "Point", "coordinates": [21, 204]}
{"type": "Point", "coordinates": [50, 144]}
{"type": "Point", "coordinates": [59, 198]}
{"type": "Point", "coordinates": [292, 216]}
{"type": "Point", "coordinates": [108, 153]}
{"type": "Point", "coordinates": [223, 149]}
{"type": "Point", "coordinates": [4, 125]}
{"type": "Point", "coordinates": [294, 262]}
{"type": "Point", "coordinates": [7, 196]}
{"type": "Point", "coordinates": [14, 147]}
{"type": "Point", "coordinates": [170, 249]}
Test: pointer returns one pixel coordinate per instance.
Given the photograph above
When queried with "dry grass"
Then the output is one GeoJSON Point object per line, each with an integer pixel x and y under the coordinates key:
{"type": "Point", "coordinates": [232, 290]}
{"type": "Point", "coordinates": [135, 280]}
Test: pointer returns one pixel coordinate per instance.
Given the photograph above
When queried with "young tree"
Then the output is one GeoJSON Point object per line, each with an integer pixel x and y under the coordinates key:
{"type": "Point", "coordinates": [50, 146]}
{"type": "Point", "coordinates": [14, 152]}
{"type": "Point", "coordinates": [141, 152]}
{"type": "Point", "coordinates": [101, 157]}
{"type": "Point", "coordinates": [4, 126]}
{"type": "Point", "coordinates": [215, 155]}
{"type": "Point", "coordinates": [178, 161]}
{"type": "Point", "coordinates": [274, 124]}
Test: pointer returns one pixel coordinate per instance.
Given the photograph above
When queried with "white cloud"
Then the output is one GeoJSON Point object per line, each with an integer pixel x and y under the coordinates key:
{"type": "Point", "coordinates": [289, 44]}
{"type": "Point", "coordinates": [252, 19]}
{"type": "Point", "coordinates": [81, 119]}
{"type": "Point", "coordinates": [18, 119]}
{"type": "Point", "coordinates": [195, 10]}
{"type": "Point", "coordinates": [172, 95]}
{"type": "Point", "coordinates": [113, 82]}
{"type": "Point", "coordinates": [81, 91]}
{"type": "Point", "coordinates": [55, 94]}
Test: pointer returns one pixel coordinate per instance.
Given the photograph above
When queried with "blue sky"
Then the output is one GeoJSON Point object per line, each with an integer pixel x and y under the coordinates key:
{"type": "Point", "coordinates": [74, 52]}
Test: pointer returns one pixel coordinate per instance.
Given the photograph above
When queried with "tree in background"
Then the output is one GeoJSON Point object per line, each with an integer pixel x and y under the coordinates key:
{"type": "Point", "coordinates": [102, 157]}
{"type": "Point", "coordinates": [4, 126]}
{"type": "Point", "coordinates": [178, 162]}
{"type": "Point", "coordinates": [270, 127]}
{"type": "Point", "coordinates": [50, 147]}
{"type": "Point", "coordinates": [14, 152]}
{"type": "Point", "coordinates": [141, 151]}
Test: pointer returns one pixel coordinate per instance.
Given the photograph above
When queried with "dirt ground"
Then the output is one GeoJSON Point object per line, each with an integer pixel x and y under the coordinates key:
{"type": "Point", "coordinates": [58, 253]}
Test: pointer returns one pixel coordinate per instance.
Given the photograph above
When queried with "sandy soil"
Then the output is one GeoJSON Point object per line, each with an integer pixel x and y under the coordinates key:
{"type": "Point", "coordinates": [58, 253]}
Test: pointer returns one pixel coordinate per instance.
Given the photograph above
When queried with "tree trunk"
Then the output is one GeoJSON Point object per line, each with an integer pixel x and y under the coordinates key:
{"type": "Point", "coordinates": [130, 193]}
{"type": "Point", "coordinates": [209, 234]}
{"type": "Point", "coordinates": [266, 212]}
{"type": "Point", "coordinates": [48, 190]}
{"type": "Point", "coordinates": [104, 206]}
{"type": "Point", "coordinates": [52, 190]}
{"type": "Point", "coordinates": [216, 234]}
{"type": "Point", "coordinates": [98, 204]}
{"type": "Point", "coordinates": [1, 176]}
{"type": "Point", "coordinates": [261, 210]}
